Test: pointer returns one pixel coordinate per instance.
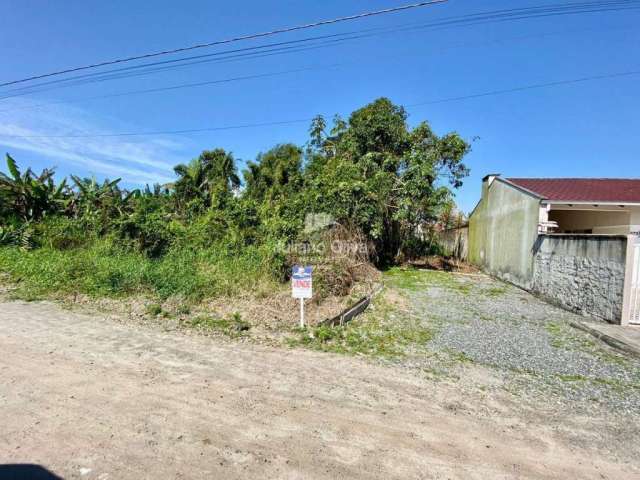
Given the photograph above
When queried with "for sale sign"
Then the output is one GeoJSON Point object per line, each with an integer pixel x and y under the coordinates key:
{"type": "Point", "coordinates": [301, 283]}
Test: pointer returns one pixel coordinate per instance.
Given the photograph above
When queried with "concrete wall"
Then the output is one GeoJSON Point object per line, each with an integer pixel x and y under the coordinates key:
{"type": "Point", "coordinates": [502, 232]}
{"type": "Point", "coordinates": [455, 242]}
{"type": "Point", "coordinates": [583, 273]}
{"type": "Point", "coordinates": [599, 222]}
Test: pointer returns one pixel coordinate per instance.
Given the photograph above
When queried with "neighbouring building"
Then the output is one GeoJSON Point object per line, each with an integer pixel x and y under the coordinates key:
{"type": "Point", "coordinates": [574, 241]}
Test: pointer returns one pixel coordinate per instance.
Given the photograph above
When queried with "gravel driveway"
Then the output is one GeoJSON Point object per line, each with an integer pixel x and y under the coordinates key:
{"type": "Point", "coordinates": [490, 323]}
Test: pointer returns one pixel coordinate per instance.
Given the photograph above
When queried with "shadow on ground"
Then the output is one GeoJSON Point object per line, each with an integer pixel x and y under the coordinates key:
{"type": "Point", "coordinates": [26, 472]}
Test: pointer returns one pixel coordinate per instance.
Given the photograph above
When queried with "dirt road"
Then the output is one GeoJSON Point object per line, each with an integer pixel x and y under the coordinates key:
{"type": "Point", "coordinates": [86, 397]}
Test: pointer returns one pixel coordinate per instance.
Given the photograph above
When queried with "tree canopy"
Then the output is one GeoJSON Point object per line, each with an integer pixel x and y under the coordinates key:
{"type": "Point", "coordinates": [385, 178]}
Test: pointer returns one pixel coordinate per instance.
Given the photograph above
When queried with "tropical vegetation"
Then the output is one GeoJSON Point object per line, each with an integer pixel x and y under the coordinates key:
{"type": "Point", "coordinates": [211, 232]}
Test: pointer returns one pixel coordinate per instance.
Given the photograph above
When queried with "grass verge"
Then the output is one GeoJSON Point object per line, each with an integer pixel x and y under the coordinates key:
{"type": "Point", "coordinates": [414, 279]}
{"type": "Point", "coordinates": [102, 270]}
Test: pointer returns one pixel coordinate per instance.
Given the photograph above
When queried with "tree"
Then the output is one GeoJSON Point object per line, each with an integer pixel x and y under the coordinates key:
{"type": "Point", "coordinates": [206, 181]}
{"type": "Point", "coordinates": [382, 176]}
{"type": "Point", "coordinates": [274, 183]}
{"type": "Point", "coordinates": [275, 174]}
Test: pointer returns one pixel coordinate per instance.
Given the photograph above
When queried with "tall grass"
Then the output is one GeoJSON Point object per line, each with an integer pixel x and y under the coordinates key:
{"type": "Point", "coordinates": [101, 269]}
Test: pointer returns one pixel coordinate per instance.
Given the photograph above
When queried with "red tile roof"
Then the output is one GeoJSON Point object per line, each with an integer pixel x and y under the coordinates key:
{"type": "Point", "coordinates": [616, 190]}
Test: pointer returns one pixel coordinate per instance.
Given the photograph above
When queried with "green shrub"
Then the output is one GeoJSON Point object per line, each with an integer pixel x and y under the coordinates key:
{"type": "Point", "coordinates": [183, 309]}
{"type": "Point", "coordinates": [20, 235]}
{"type": "Point", "coordinates": [61, 233]}
{"type": "Point", "coordinates": [7, 235]}
{"type": "Point", "coordinates": [148, 232]}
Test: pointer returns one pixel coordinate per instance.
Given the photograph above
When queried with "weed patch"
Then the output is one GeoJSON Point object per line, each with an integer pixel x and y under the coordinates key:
{"type": "Point", "coordinates": [459, 357]}
{"type": "Point", "coordinates": [616, 385]}
{"type": "Point", "coordinates": [233, 326]}
{"type": "Point", "coordinates": [565, 338]}
{"type": "Point", "coordinates": [382, 332]}
{"type": "Point", "coordinates": [494, 292]}
{"type": "Point", "coordinates": [153, 309]}
{"type": "Point", "coordinates": [414, 279]}
{"type": "Point", "coordinates": [369, 338]}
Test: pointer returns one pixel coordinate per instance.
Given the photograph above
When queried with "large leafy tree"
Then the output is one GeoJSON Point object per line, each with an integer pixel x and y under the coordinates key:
{"type": "Point", "coordinates": [382, 176]}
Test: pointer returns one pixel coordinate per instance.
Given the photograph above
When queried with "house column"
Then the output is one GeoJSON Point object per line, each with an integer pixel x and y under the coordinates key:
{"type": "Point", "coordinates": [631, 300]}
{"type": "Point", "coordinates": [634, 224]}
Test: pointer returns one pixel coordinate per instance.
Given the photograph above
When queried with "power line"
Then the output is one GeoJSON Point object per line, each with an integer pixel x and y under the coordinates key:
{"type": "Point", "coordinates": [230, 40]}
{"type": "Point", "coordinates": [290, 122]}
{"type": "Point", "coordinates": [262, 75]}
{"type": "Point", "coordinates": [527, 87]}
{"type": "Point", "coordinates": [175, 87]}
{"type": "Point", "coordinates": [116, 76]}
{"type": "Point", "coordinates": [259, 51]}
{"type": "Point", "coordinates": [166, 132]}
{"type": "Point", "coordinates": [105, 74]}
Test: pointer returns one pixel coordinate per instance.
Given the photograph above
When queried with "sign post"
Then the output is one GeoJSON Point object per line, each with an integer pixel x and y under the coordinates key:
{"type": "Point", "coordinates": [301, 286]}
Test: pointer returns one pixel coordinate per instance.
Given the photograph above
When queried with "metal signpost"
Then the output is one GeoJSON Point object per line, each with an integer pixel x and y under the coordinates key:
{"type": "Point", "coordinates": [301, 286]}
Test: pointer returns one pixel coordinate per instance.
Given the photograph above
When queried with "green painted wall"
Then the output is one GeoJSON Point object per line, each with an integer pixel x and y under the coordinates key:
{"type": "Point", "coordinates": [502, 232]}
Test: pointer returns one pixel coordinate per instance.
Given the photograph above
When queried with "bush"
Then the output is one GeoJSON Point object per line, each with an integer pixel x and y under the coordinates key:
{"type": "Point", "coordinates": [61, 233]}
{"type": "Point", "coordinates": [413, 248]}
{"type": "Point", "coordinates": [148, 232]}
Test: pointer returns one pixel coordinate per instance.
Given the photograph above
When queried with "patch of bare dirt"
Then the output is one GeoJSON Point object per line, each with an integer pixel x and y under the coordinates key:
{"type": "Point", "coordinates": [270, 315]}
{"type": "Point", "coordinates": [90, 398]}
{"type": "Point", "coordinates": [446, 264]}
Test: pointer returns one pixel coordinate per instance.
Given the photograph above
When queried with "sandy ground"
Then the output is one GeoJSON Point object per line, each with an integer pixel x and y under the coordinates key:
{"type": "Point", "coordinates": [87, 397]}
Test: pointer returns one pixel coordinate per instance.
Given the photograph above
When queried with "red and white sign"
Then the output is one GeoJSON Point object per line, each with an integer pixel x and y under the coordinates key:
{"type": "Point", "coordinates": [301, 282]}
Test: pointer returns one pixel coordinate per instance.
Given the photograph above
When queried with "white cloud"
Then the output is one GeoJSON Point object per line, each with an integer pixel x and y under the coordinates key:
{"type": "Point", "coordinates": [137, 159]}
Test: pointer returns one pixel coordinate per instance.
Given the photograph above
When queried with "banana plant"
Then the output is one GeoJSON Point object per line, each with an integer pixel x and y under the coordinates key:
{"type": "Point", "coordinates": [30, 196]}
{"type": "Point", "coordinates": [92, 197]}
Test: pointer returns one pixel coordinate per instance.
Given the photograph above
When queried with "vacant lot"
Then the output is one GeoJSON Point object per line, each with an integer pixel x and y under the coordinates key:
{"type": "Point", "coordinates": [467, 378]}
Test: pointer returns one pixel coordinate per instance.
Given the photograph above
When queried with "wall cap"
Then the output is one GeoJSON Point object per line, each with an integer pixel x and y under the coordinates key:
{"type": "Point", "coordinates": [583, 235]}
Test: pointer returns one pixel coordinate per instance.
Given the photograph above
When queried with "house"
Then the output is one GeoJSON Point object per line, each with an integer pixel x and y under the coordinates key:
{"type": "Point", "coordinates": [574, 241]}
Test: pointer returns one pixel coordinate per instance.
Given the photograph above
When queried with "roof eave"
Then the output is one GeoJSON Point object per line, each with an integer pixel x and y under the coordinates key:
{"type": "Point", "coordinates": [520, 188]}
{"type": "Point", "coordinates": [591, 202]}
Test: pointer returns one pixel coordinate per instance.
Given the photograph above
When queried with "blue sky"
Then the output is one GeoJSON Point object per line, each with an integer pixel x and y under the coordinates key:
{"type": "Point", "coordinates": [585, 129]}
